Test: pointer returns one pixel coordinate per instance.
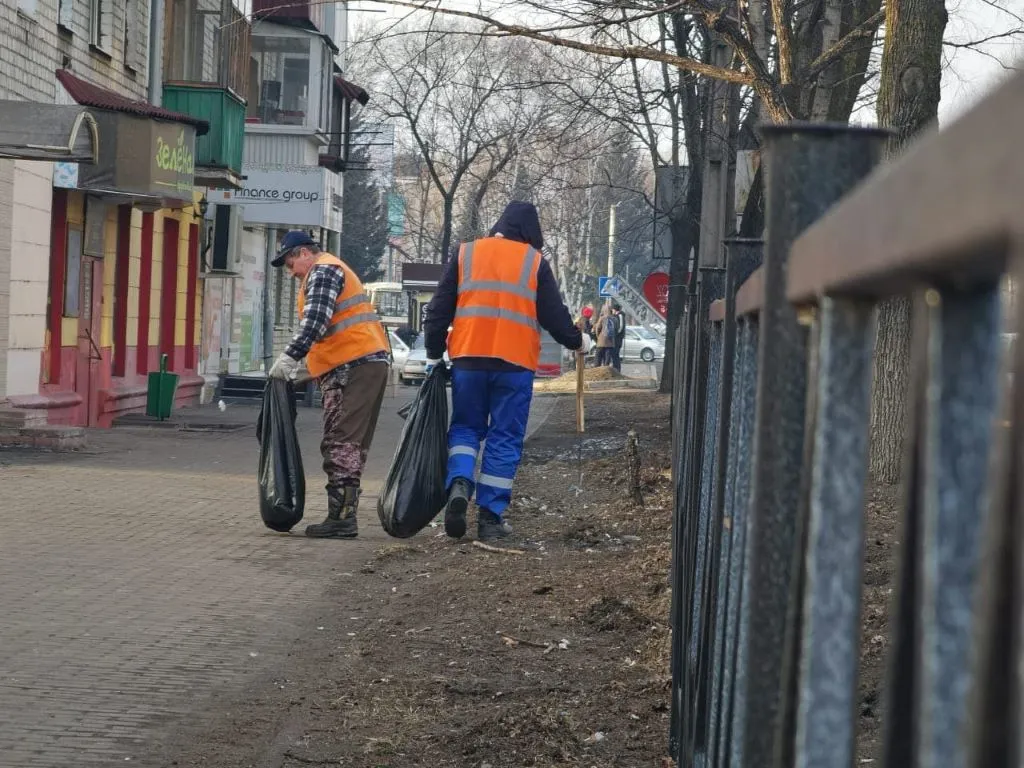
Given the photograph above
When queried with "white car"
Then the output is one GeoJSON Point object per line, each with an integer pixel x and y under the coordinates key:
{"type": "Point", "coordinates": [399, 351]}
{"type": "Point", "coordinates": [642, 344]}
{"type": "Point", "coordinates": [414, 370]}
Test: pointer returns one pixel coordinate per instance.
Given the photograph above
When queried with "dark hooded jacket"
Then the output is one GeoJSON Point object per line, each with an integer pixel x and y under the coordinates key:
{"type": "Point", "coordinates": [521, 223]}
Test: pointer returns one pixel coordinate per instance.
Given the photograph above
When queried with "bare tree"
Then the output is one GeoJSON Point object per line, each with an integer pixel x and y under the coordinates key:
{"type": "Point", "coordinates": [908, 103]}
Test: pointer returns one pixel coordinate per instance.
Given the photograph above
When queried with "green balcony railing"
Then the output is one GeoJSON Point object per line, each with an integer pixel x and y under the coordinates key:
{"type": "Point", "coordinates": [221, 147]}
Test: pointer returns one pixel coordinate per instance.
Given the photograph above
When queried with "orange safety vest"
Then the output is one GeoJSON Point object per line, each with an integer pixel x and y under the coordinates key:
{"type": "Point", "coordinates": [354, 314]}
{"type": "Point", "coordinates": [496, 310]}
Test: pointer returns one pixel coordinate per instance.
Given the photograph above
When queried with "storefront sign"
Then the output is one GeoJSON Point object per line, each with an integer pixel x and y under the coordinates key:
{"type": "Point", "coordinates": [144, 157]}
{"type": "Point", "coordinates": [285, 196]}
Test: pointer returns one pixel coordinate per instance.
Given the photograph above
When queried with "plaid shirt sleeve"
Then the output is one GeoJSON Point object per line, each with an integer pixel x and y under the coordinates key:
{"type": "Point", "coordinates": [323, 286]}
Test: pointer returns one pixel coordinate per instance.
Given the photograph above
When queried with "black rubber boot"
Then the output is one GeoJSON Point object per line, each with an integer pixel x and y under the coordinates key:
{"type": "Point", "coordinates": [490, 526]}
{"type": "Point", "coordinates": [455, 511]}
{"type": "Point", "coordinates": [341, 516]}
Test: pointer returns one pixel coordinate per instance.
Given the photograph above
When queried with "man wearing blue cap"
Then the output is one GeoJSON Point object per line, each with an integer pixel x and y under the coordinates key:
{"type": "Point", "coordinates": [341, 337]}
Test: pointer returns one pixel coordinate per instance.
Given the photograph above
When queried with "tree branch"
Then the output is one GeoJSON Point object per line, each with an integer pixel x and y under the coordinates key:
{"type": "Point", "coordinates": [623, 52]}
{"type": "Point", "coordinates": [866, 29]}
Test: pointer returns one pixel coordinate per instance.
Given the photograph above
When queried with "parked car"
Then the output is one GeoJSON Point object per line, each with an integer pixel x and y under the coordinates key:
{"type": "Point", "coordinates": [642, 344]}
{"type": "Point", "coordinates": [414, 370]}
{"type": "Point", "coordinates": [399, 351]}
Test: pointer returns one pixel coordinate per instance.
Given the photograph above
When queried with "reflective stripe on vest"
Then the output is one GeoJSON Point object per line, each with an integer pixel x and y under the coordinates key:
{"type": "Point", "coordinates": [498, 314]}
{"type": "Point", "coordinates": [348, 322]}
{"type": "Point", "coordinates": [521, 289]}
{"type": "Point", "coordinates": [353, 313]}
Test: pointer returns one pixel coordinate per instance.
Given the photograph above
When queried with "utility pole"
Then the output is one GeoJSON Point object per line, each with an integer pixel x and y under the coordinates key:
{"type": "Point", "coordinates": [611, 240]}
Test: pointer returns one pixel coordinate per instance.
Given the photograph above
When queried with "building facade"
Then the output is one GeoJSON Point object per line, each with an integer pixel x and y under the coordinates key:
{"type": "Point", "coordinates": [104, 264]}
{"type": "Point", "coordinates": [296, 146]}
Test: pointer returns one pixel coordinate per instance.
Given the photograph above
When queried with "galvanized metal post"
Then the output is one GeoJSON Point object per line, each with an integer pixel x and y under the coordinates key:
{"type": "Point", "coordinates": [703, 607]}
{"type": "Point", "coordinates": [808, 167]}
{"type": "Point", "coordinates": [709, 289]}
{"type": "Point", "coordinates": [830, 647]}
{"type": "Point", "coordinates": [962, 406]}
{"type": "Point", "coordinates": [743, 256]}
{"type": "Point", "coordinates": [739, 565]}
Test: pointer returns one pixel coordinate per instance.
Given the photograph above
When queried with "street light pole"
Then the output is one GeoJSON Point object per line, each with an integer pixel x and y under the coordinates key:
{"type": "Point", "coordinates": [611, 240]}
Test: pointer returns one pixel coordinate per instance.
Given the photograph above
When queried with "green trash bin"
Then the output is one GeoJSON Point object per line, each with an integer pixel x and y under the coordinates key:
{"type": "Point", "coordinates": [160, 391]}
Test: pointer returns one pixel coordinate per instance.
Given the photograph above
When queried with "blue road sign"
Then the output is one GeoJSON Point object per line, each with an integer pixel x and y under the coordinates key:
{"type": "Point", "coordinates": [607, 287]}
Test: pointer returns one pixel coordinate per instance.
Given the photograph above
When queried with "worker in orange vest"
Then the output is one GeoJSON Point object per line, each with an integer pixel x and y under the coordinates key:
{"type": "Point", "coordinates": [496, 296]}
{"type": "Point", "coordinates": [341, 337]}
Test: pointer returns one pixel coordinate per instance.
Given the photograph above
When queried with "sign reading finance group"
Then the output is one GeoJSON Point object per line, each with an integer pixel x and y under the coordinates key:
{"type": "Point", "coordinates": [289, 197]}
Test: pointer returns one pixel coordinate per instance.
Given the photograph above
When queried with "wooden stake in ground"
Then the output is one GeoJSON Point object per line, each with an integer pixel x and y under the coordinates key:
{"type": "Point", "coordinates": [633, 467]}
{"type": "Point", "coordinates": [580, 364]}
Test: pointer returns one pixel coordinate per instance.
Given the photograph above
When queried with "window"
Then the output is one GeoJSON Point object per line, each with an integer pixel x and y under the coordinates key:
{"type": "Point", "coordinates": [134, 38]}
{"type": "Point", "coordinates": [195, 50]}
{"type": "Point", "coordinates": [291, 302]}
{"type": "Point", "coordinates": [280, 82]}
{"type": "Point", "coordinates": [65, 14]}
{"type": "Point", "coordinates": [326, 89]}
{"type": "Point", "coordinates": [101, 24]}
{"type": "Point", "coordinates": [278, 296]}
{"type": "Point", "coordinates": [72, 273]}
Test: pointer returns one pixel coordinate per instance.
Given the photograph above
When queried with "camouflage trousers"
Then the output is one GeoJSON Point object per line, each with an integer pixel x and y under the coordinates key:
{"type": "Point", "coordinates": [352, 398]}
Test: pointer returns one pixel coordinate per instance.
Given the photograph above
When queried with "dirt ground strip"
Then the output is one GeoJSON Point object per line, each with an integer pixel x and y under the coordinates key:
{"type": "Point", "coordinates": [441, 653]}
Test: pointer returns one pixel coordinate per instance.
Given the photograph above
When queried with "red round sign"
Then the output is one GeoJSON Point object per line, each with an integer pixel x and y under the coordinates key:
{"type": "Point", "coordinates": [656, 291]}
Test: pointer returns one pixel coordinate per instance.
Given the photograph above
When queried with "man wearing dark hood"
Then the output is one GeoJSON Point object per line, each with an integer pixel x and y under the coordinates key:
{"type": "Point", "coordinates": [496, 295]}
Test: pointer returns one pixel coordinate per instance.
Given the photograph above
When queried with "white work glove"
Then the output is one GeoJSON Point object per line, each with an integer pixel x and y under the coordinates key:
{"type": "Point", "coordinates": [430, 366]}
{"type": "Point", "coordinates": [284, 367]}
{"type": "Point", "coordinates": [586, 346]}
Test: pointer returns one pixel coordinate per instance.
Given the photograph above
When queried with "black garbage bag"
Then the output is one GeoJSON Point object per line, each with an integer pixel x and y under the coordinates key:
{"type": "Point", "coordinates": [414, 490]}
{"type": "Point", "coordinates": [282, 480]}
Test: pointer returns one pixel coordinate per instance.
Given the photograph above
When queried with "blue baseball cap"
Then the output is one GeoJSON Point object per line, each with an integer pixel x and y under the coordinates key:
{"type": "Point", "coordinates": [296, 238]}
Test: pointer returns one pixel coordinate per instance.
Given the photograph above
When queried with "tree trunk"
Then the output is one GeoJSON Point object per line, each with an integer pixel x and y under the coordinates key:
{"type": "Point", "coordinates": [685, 238]}
{"type": "Point", "coordinates": [446, 227]}
{"type": "Point", "coordinates": [908, 102]}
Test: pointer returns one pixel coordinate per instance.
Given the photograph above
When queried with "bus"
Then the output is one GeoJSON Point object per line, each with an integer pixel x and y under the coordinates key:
{"type": "Point", "coordinates": [390, 302]}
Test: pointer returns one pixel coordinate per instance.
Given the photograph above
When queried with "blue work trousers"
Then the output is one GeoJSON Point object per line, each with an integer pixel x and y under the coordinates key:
{"type": "Point", "coordinates": [489, 408]}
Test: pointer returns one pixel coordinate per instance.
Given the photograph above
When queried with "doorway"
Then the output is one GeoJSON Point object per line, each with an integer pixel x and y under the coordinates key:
{"type": "Point", "coordinates": [88, 367]}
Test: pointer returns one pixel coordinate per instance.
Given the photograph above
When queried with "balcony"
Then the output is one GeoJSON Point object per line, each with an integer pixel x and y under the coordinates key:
{"type": "Point", "coordinates": [206, 75]}
{"type": "Point", "coordinates": [219, 152]}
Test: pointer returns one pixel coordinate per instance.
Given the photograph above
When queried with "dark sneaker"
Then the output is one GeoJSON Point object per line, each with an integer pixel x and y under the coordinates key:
{"type": "Point", "coordinates": [455, 511]}
{"type": "Point", "coordinates": [490, 526]}
{"type": "Point", "coordinates": [341, 516]}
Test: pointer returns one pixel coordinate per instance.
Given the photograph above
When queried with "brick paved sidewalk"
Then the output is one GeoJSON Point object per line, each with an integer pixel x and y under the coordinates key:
{"type": "Point", "coordinates": [138, 580]}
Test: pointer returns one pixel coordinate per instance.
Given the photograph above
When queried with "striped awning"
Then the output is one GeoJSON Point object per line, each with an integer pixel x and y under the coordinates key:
{"type": "Point", "coordinates": [30, 130]}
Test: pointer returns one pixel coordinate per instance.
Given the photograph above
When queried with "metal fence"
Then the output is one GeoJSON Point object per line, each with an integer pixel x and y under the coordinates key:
{"type": "Point", "coordinates": [771, 417]}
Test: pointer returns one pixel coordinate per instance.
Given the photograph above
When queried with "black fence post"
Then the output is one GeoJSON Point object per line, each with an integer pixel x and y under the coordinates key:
{"type": "Point", "coordinates": [743, 256]}
{"type": "Point", "coordinates": [808, 167]}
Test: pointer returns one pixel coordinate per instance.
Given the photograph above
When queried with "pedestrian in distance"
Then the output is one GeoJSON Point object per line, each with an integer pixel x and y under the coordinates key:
{"type": "Point", "coordinates": [497, 293]}
{"type": "Point", "coordinates": [345, 347]}
{"type": "Point", "coordinates": [605, 337]}
{"type": "Point", "coordinates": [619, 325]}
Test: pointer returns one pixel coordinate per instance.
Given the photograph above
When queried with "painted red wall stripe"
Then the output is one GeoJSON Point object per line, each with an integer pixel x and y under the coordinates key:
{"type": "Point", "coordinates": [121, 265]}
{"type": "Point", "coordinates": [58, 270]}
{"type": "Point", "coordinates": [190, 294]}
